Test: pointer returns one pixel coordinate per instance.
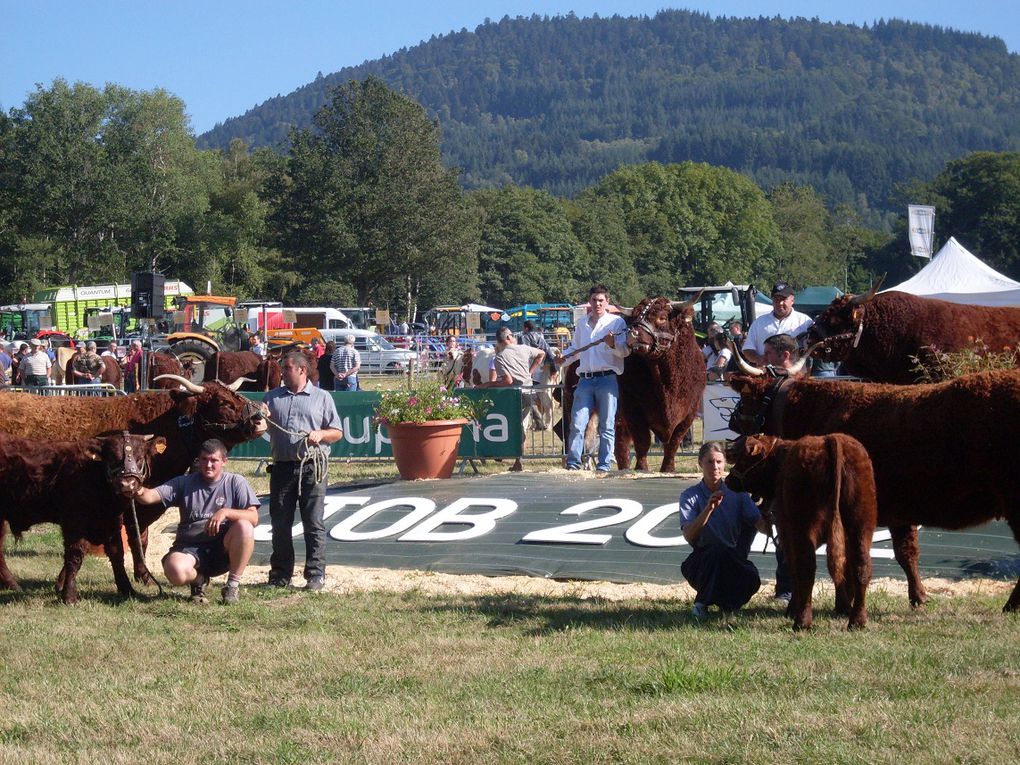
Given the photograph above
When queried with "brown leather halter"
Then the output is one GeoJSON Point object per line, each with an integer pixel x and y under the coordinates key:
{"type": "Point", "coordinates": [662, 341]}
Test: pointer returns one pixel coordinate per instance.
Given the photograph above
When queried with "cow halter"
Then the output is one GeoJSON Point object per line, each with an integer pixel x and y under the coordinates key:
{"type": "Point", "coordinates": [132, 466]}
{"type": "Point", "coordinates": [741, 475]}
{"type": "Point", "coordinates": [855, 334]}
{"type": "Point", "coordinates": [658, 336]}
{"type": "Point", "coordinates": [758, 421]}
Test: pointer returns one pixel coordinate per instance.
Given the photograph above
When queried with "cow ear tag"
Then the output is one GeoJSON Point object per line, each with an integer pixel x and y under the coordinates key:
{"type": "Point", "coordinates": [858, 313]}
{"type": "Point", "coordinates": [160, 447]}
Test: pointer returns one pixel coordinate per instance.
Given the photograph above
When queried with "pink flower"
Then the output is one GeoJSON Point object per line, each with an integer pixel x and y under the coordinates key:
{"type": "Point", "coordinates": [412, 401]}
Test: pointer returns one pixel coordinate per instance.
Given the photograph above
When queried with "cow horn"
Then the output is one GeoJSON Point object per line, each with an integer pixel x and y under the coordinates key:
{"type": "Point", "coordinates": [797, 368]}
{"type": "Point", "coordinates": [745, 366]}
{"type": "Point", "coordinates": [236, 385]}
{"type": "Point", "coordinates": [687, 303]}
{"type": "Point", "coordinates": [862, 299]}
{"type": "Point", "coordinates": [624, 311]}
{"type": "Point", "coordinates": [187, 384]}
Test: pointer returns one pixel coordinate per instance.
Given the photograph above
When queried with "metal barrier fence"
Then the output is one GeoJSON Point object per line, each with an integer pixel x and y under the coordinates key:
{"type": "Point", "coordinates": [102, 390]}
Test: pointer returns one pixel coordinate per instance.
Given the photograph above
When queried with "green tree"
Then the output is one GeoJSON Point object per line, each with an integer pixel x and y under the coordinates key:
{"type": "Point", "coordinates": [692, 224]}
{"type": "Point", "coordinates": [805, 257]}
{"type": "Point", "coordinates": [106, 182]}
{"type": "Point", "coordinates": [64, 181]}
{"type": "Point", "coordinates": [529, 252]}
{"type": "Point", "coordinates": [979, 204]}
{"type": "Point", "coordinates": [599, 225]}
{"type": "Point", "coordinates": [367, 200]}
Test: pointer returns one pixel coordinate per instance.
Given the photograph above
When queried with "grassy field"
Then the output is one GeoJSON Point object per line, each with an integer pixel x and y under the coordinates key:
{"type": "Point", "coordinates": [287, 677]}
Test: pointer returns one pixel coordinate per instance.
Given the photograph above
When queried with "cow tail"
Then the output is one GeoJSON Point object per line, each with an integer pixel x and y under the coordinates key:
{"type": "Point", "coordinates": [837, 536]}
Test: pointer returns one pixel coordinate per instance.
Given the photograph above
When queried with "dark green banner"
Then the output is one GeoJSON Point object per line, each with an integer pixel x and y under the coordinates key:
{"type": "Point", "coordinates": [498, 435]}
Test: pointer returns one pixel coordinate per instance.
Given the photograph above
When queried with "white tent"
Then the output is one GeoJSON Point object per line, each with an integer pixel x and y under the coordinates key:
{"type": "Point", "coordinates": [956, 275]}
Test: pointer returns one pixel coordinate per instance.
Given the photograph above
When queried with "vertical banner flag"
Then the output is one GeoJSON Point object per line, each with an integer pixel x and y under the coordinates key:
{"type": "Point", "coordinates": [921, 222]}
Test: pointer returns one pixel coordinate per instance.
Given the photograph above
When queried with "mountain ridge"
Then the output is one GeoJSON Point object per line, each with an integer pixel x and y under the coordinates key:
{"type": "Point", "coordinates": [558, 102]}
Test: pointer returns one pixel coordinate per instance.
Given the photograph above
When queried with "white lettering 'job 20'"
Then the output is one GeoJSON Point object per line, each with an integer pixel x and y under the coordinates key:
{"type": "Point", "coordinates": [421, 522]}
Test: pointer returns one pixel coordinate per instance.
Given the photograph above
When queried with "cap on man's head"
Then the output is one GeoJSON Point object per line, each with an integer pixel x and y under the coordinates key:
{"type": "Point", "coordinates": [781, 289]}
{"type": "Point", "coordinates": [36, 343]}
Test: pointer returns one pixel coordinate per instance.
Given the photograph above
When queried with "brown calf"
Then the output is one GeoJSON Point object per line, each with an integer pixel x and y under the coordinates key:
{"type": "Point", "coordinates": [824, 491]}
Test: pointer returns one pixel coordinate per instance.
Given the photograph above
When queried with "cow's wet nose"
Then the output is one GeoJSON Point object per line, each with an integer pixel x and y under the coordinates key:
{"type": "Point", "coordinates": [128, 484]}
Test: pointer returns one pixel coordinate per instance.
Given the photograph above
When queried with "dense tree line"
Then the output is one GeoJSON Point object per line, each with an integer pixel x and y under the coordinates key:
{"type": "Point", "coordinates": [558, 103]}
{"type": "Point", "coordinates": [95, 184]}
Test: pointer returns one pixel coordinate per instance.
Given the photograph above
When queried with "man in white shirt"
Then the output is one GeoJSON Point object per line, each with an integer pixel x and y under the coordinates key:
{"type": "Point", "coordinates": [783, 320]}
{"type": "Point", "coordinates": [597, 388]}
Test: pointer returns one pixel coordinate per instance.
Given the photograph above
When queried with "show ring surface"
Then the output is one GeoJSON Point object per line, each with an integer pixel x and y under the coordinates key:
{"type": "Point", "coordinates": [560, 525]}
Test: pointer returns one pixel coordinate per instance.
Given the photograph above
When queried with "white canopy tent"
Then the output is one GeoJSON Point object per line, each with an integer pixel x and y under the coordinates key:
{"type": "Point", "coordinates": [956, 275]}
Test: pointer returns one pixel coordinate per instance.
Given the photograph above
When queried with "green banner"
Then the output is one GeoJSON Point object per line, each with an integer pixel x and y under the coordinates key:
{"type": "Point", "coordinates": [499, 435]}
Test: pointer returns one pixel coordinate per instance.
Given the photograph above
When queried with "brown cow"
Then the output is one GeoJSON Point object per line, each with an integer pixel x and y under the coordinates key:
{"type": "Point", "coordinates": [277, 353]}
{"type": "Point", "coordinates": [874, 336]}
{"type": "Point", "coordinates": [662, 382]}
{"type": "Point", "coordinates": [661, 385]}
{"type": "Point", "coordinates": [229, 366]}
{"type": "Point", "coordinates": [185, 418]}
{"type": "Point", "coordinates": [943, 454]}
{"type": "Point", "coordinates": [163, 365]}
{"type": "Point", "coordinates": [80, 485]}
{"type": "Point", "coordinates": [823, 489]}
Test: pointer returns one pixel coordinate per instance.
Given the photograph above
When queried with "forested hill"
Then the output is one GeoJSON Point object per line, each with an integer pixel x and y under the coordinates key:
{"type": "Point", "coordinates": [557, 103]}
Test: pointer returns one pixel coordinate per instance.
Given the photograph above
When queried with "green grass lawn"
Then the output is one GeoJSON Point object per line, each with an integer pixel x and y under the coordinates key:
{"type": "Point", "coordinates": [287, 677]}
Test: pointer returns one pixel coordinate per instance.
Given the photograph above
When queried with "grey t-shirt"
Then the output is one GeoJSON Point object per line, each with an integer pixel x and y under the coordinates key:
{"type": "Point", "coordinates": [199, 500]}
{"type": "Point", "coordinates": [516, 360]}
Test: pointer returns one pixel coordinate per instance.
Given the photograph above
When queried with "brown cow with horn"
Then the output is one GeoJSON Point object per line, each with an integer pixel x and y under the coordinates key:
{"type": "Point", "coordinates": [875, 335]}
{"type": "Point", "coordinates": [943, 454]}
{"type": "Point", "coordinates": [662, 382]}
{"type": "Point", "coordinates": [184, 417]}
{"type": "Point", "coordinates": [661, 385]}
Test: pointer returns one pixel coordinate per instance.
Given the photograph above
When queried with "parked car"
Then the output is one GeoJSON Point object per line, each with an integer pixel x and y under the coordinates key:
{"type": "Point", "coordinates": [377, 353]}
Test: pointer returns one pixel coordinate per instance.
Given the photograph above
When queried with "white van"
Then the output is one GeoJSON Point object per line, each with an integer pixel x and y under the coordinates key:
{"type": "Point", "coordinates": [377, 353]}
{"type": "Point", "coordinates": [318, 318]}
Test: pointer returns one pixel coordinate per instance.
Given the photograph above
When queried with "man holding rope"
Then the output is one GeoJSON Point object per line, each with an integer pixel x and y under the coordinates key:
{"type": "Point", "coordinates": [303, 423]}
{"type": "Point", "coordinates": [601, 357]}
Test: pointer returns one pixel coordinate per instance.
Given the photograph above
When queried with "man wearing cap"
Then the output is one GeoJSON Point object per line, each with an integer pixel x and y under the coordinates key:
{"type": "Point", "coordinates": [87, 367]}
{"type": "Point", "coordinates": [345, 364]}
{"type": "Point", "coordinates": [782, 320]}
{"type": "Point", "coordinates": [35, 367]}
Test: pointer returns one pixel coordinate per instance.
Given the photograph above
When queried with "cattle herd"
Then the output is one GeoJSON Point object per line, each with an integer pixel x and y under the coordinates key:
{"type": "Point", "coordinates": [834, 457]}
{"type": "Point", "coordinates": [79, 460]}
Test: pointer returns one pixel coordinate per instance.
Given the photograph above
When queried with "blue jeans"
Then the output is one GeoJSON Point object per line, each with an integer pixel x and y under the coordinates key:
{"type": "Point", "coordinates": [346, 384]}
{"type": "Point", "coordinates": [593, 394]}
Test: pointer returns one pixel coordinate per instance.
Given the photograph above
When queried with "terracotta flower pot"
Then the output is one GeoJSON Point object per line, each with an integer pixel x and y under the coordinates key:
{"type": "Point", "coordinates": [425, 449]}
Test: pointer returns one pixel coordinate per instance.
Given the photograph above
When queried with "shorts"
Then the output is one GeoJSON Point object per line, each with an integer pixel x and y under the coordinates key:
{"type": "Point", "coordinates": [211, 557]}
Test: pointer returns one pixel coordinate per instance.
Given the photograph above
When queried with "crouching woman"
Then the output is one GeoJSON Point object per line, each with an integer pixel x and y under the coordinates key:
{"type": "Point", "coordinates": [720, 525]}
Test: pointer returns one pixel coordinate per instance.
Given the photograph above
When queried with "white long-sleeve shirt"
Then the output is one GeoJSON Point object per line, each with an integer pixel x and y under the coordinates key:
{"type": "Point", "coordinates": [600, 357]}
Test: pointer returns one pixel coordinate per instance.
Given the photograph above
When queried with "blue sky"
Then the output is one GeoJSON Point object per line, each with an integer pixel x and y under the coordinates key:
{"type": "Point", "coordinates": [223, 57]}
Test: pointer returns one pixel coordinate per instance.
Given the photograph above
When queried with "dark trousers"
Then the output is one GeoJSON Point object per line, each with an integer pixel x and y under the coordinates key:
{"type": "Point", "coordinates": [283, 501]}
{"type": "Point", "coordinates": [721, 576]}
